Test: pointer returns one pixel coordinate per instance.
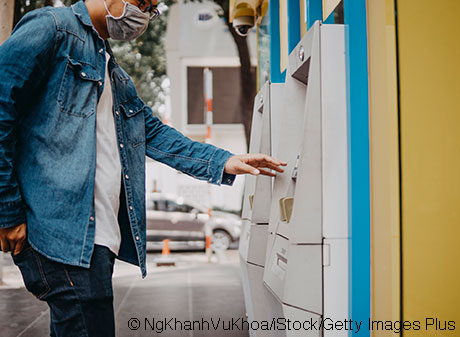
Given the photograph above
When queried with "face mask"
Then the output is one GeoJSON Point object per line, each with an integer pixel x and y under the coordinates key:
{"type": "Point", "coordinates": [129, 25]}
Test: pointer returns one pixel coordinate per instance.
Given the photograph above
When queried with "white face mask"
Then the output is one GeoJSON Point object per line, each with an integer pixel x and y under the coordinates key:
{"type": "Point", "coordinates": [129, 25]}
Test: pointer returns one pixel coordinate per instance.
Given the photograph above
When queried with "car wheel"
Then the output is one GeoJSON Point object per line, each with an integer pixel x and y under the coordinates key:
{"type": "Point", "coordinates": [221, 240]}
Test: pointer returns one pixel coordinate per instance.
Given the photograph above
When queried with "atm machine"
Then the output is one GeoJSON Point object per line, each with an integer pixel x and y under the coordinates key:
{"type": "Point", "coordinates": [306, 267]}
{"type": "Point", "coordinates": [257, 202]}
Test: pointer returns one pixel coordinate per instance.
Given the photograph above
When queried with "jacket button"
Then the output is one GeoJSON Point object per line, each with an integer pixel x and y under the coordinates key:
{"type": "Point", "coordinates": [83, 74]}
{"type": "Point", "coordinates": [91, 218]}
{"type": "Point", "coordinates": [121, 145]}
{"type": "Point", "coordinates": [116, 112]}
{"type": "Point", "coordinates": [101, 50]}
{"type": "Point", "coordinates": [100, 83]}
{"type": "Point", "coordinates": [131, 208]}
{"type": "Point", "coordinates": [130, 111]}
{"type": "Point", "coordinates": [137, 238]}
{"type": "Point", "coordinates": [127, 176]}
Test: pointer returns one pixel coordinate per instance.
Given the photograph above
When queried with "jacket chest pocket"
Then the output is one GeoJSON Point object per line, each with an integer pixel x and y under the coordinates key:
{"type": "Point", "coordinates": [134, 124]}
{"type": "Point", "coordinates": [79, 88]}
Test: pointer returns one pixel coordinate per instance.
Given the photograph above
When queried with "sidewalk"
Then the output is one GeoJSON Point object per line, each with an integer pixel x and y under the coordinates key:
{"type": "Point", "coordinates": [192, 291]}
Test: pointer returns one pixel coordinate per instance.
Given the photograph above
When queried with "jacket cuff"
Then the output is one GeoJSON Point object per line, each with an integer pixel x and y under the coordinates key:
{"type": "Point", "coordinates": [217, 176]}
{"type": "Point", "coordinates": [12, 214]}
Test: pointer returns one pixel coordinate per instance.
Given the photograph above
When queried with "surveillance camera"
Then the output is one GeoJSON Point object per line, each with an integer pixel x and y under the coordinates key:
{"type": "Point", "coordinates": [243, 24]}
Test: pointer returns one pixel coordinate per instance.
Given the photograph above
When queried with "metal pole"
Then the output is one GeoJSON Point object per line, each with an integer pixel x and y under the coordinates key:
{"type": "Point", "coordinates": [6, 25]}
{"type": "Point", "coordinates": [207, 86]}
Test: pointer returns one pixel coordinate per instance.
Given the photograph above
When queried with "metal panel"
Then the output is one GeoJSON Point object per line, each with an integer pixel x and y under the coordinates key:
{"type": "Point", "coordinates": [243, 245]}
{"type": "Point", "coordinates": [263, 187]}
{"type": "Point", "coordinates": [334, 132]}
{"type": "Point", "coordinates": [277, 310]}
{"type": "Point", "coordinates": [294, 274]}
{"type": "Point", "coordinates": [276, 114]}
{"type": "Point", "coordinates": [258, 189]}
{"type": "Point", "coordinates": [335, 274]}
{"type": "Point", "coordinates": [258, 293]}
{"type": "Point", "coordinates": [254, 147]}
{"type": "Point", "coordinates": [305, 225]}
{"type": "Point", "coordinates": [253, 243]}
{"type": "Point", "coordinates": [290, 133]}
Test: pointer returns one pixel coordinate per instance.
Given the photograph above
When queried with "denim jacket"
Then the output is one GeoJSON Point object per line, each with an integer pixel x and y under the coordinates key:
{"type": "Point", "coordinates": [52, 72]}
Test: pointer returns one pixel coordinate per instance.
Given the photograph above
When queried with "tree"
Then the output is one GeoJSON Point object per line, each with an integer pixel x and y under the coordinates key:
{"type": "Point", "coordinates": [21, 7]}
{"type": "Point", "coordinates": [144, 59]}
{"type": "Point", "coordinates": [247, 72]}
{"type": "Point", "coordinates": [247, 76]}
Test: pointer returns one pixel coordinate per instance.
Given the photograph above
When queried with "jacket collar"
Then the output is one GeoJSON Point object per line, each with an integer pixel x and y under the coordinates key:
{"type": "Point", "coordinates": [81, 12]}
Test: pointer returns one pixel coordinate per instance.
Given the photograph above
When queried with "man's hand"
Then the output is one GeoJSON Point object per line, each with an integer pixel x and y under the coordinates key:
{"type": "Point", "coordinates": [13, 238]}
{"type": "Point", "coordinates": [253, 164]}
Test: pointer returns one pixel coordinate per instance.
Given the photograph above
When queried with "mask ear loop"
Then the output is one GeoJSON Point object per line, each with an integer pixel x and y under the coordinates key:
{"type": "Point", "coordinates": [116, 17]}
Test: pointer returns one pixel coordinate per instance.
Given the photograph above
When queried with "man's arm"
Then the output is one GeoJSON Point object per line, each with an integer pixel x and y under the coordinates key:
{"type": "Point", "coordinates": [24, 62]}
{"type": "Point", "coordinates": [202, 161]}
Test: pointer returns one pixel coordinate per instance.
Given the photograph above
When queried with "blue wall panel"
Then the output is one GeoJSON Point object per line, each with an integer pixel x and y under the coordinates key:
{"type": "Point", "coordinates": [358, 151]}
{"type": "Point", "coordinates": [314, 11]}
{"type": "Point", "coordinates": [293, 23]}
{"type": "Point", "coordinates": [274, 12]}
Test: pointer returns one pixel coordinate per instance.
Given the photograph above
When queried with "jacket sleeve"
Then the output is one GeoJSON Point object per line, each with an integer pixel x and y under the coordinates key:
{"type": "Point", "coordinates": [201, 161]}
{"type": "Point", "coordinates": [24, 62]}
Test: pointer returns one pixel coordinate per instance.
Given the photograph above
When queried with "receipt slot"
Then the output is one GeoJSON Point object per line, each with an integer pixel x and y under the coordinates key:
{"type": "Point", "coordinates": [307, 251]}
{"type": "Point", "coordinates": [257, 202]}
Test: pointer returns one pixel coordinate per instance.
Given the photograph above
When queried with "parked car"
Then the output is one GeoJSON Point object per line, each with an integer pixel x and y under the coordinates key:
{"type": "Point", "coordinates": [183, 223]}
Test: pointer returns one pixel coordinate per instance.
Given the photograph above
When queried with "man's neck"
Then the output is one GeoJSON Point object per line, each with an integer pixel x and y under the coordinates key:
{"type": "Point", "coordinates": [97, 13]}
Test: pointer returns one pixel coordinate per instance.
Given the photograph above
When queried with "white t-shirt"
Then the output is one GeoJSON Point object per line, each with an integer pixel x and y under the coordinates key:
{"type": "Point", "coordinates": [108, 172]}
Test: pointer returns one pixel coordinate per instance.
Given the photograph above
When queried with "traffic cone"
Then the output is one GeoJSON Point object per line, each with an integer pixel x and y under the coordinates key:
{"type": "Point", "coordinates": [208, 239]}
{"type": "Point", "coordinates": [208, 248]}
{"type": "Point", "coordinates": [165, 250]}
{"type": "Point", "coordinates": [165, 259]}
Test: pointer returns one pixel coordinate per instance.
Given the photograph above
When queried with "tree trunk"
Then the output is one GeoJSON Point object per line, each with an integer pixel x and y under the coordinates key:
{"type": "Point", "coordinates": [247, 82]}
{"type": "Point", "coordinates": [247, 73]}
{"type": "Point", "coordinates": [17, 12]}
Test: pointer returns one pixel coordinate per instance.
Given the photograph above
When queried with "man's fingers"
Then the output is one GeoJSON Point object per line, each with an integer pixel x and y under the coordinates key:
{"type": "Point", "coordinates": [12, 238]}
{"type": "Point", "coordinates": [271, 166]}
{"type": "Point", "coordinates": [13, 245]}
{"type": "Point", "coordinates": [5, 245]}
{"type": "Point", "coordinates": [252, 164]}
{"type": "Point", "coordinates": [267, 173]}
{"type": "Point", "coordinates": [18, 247]}
{"type": "Point", "coordinates": [266, 159]}
{"type": "Point", "coordinates": [245, 168]}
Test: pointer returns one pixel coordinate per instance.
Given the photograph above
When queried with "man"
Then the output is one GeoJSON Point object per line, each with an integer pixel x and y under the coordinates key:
{"type": "Point", "coordinates": [73, 140]}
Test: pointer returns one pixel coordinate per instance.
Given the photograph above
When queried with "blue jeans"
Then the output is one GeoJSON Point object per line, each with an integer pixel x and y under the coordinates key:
{"type": "Point", "coordinates": [80, 299]}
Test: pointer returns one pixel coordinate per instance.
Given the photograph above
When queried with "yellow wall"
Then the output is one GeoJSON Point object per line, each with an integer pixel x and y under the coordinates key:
{"type": "Point", "coordinates": [384, 163]}
{"type": "Point", "coordinates": [429, 58]}
{"type": "Point", "coordinates": [284, 53]}
{"type": "Point", "coordinates": [328, 7]}
{"type": "Point", "coordinates": [303, 17]}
